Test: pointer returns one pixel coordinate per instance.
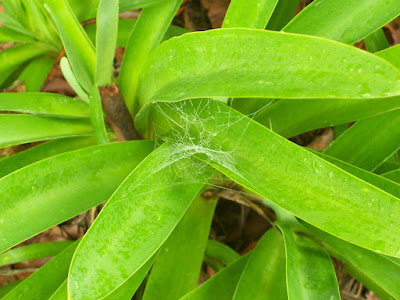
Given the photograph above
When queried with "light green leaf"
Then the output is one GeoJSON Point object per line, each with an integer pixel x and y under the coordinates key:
{"type": "Point", "coordinates": [44, 104]}
{"type": "Point", "coordinates": [179, 260]}
{"type": "Point", "coordinates": [79, 49]}
{"type": "Point", "coordinates": [376, 41]}
{"type": "Point", "coordinates": [42, 151]}
{"type": "Point", "coordinates": [369, 142]}
{"type": "Point", "coordinates": [222, 252]}
{"type": "Point", "coordinates": [135, 222]}
{"type": "Point", "coordinates": [309, 270]}
{"type": "Point", "coordinates": [283, 13]}
{"type": "Point", "coordinates": [19, 129]}
{"type": "Point", "coordinates": [222, 285]}
{"type": "Point", "coordinates": [264, 274]}
{"type": "Point", "coordinates": [392, 55]}
{"type": "Point", "coordinates": [32, 251]}
{"type": "Point", "coordinates": [106, 40]}
{"type": "Point", "coordinates": [53, 190]}
{"type": "Point", "coordinates": [36, 73]}
{"type": "Point", "coordinates": [61, 293]}
{"type": "Point", "coordinates": [71, 79]}
{"type": "Point", "coordinates": [149, 29]}
{"type": "Point", "coordinates": [282, 172]}
{"type": "Point", "coordinates": [345, 21]}
{"type": "Point", "coordinates": [290, 66]}
{"type": "Point", "coordinates": [249, 13]}
{"type": "Point", "coordinates": [97, 116]}
{"type": "Point", "coordinates": [44, 282]}
{"type": "Point", "coordinates": [11, 35]}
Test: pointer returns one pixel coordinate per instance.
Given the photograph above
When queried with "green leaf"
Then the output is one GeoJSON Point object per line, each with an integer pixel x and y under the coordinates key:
{"type": "Point", "coordinates": [44, 282]}
{"type": "Point", "coordinates": [379, 269]}
{"type": "Point", "coordinates": [61, 293]}
{"type": "Point", "coordinates": [106, 40]}
{"type": "Point", "coordinates": [97, 116]}
{"type": "Point", "coordinates": [179, 260]}
{"type": "Point", "coordinates": [222, 252]}
{"type": "Point", "coordinates": [149, 29]}
{"type": "Point", "coordinates": [375, 139]}
{"type": "Point", "coordinates": [344, 21]}
{"type": "Point", "coordinates": [283, 116]}
{"type": "Point", "coordinates": [11, 35]}
{"type": "Point", "coordinates": [53, 190]}
{"type": "Point", "coordinates": [79, 49]}
{"type": "Point", "coordinates": [282, 172]}
{"type": "Point", "coordinates": [42, 151]}
{"type": "Point", "coordinates": [376, 41]}
{"type": "Point", "coordinates": [47, 104]}
{"type": "Point", "coordinates": [71, 79]}
{"type": "Point", "coordinates": [393, 175]}
{"type": "Point", "coordinates": [264, 274]}
{"type": "Point", "coordinates": [249, 13]}
{"type": "Point", "coordinates": [19, 129]}
{"type": "Point", "coordinates": [283, 13]}
{"type": "Point", "coordinates": [309, 269]}
{"type": "Point", "coordinates": [8, 287]}
{"type": "Point", "coordinates": [36, 73]}
{"type": "Point", "coordinates": [222, 285]}
{"type": "Point", "coordinates": [135, 222]}
{"type": "Point", "coordinates": [32, 251]}
{"type": "Point", "coordinates": [392, 55]}
{"type": "Point", "coordinates": [290, 66]}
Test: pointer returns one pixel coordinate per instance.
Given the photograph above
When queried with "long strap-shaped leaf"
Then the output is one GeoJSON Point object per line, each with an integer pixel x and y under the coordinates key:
{"type": "Point", "coordinates": [264, 274]}
{"type": "Point", "coordinates": [345, 21]}
{"type": "Point", "coordinates": [283, 13]}
{"type": "Point", "coordinates": [53, 190]}
{"type": "Point", "coordinates": [136, 221]}
{"type": "Point", "coordinates": [44, 104]}
{"type": "Point", "coordinates": [309, 270]}
{"type": "Point", "coordinates": [179, 260]}
{"type": "Point", "coordinates": [392, 55]}
{"type": "Point", "coordinates": [282, 172]}
{"type": "Point", "coordinates": [289, 66]}
{"type": "Point", "coordinates": [36, 72]}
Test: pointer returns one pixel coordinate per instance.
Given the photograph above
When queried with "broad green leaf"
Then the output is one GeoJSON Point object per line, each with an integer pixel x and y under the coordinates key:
{"type": "Point", "coordinates": [376, 41]}
{"type": "Point", "coordinates": [249, 13]}
{"type": "Point", "coordinates": [61, 293]}
{"type": "Point", "coordinates": [79, 49]}
{"type": "Point", "coordinates": [345, 21]}
{"type": "Point", "coordinates": [71, 79]}
{"type": "Point", "coordinates": [392, 55]}
{"type": "Point", "coordinates": [291, 66]}
{"type": "Point", "coordinates": [393, 175]}
{"type": "Point", "coordinates": [44, 104]}
{"type": "Point", "coordinates": [32, 251]}
{"type": "Point", "coordinates": [177, 266]}
{"type": "Point", "coordinates": [369, 142]}
{"type": "Point", "coordinates": [283, 13]}
{"type": "Point", "coordinates": [378, 268]}
{"type": "Point", "coordinates": [106, 40]}
{"type": "Point", "coordinates": [8, 287]}
{"type": "Point", "coordinates": [97, 116]}
{"type": "Point", "coordinates": [44, 282]}
{"type": "Point", "coordinates": [42, 151]}
{"type": "Point", "coordinates": [148, 32]}
{"type": "Point", "coordinates": [222, 252]}
{"type": "Point", "coordinates": [19, 129]}
{"type": "Point", "coordinates": [135, 222]}
{"type": "Point", "coordinates": [56, 189]}
{"type": "Point", "coordinates": [264, 274]}
{"type": "Point", "coordinates": [222, 285]}
{"type": "Point", "coordinates": [282, 172]}
{"type": "Point", "coordinates": [36, 73]}
{"type": "Point", "coordinates": [11, 35]}
{"type": "Point", "coordinates": [283, 116]}
{"type": "Point", "coordinates": [309, 270]}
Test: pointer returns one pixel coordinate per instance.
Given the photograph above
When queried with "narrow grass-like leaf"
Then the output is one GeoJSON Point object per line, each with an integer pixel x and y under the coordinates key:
{"type": "Point", "coordinates": [42, 151]}
{"type": "Point", "coordinates": [309, 270]}
{"type": "Point", "coordinates": [149, 29]}
{"type": "Point", "coordinates": [392, 55]}
{"type": "Point", "coordinates": [32, 251]}
{"type": "Point", "coordinates": [97, 116]}
{"type": "Point", "coordinates": [79, 49]}
{"type": "Point", "coordinates": [283, 13]}
{"type": "Point", "coordinates": [106, 40]}
{"type": "Point", "coordinates": [53, 190]}
{"type": "Point", "coordinates": [36, 72]}
{"type": "Point", "coordinates": [47, 104]}
{"type": "Point", "coordinates": [344, 21]}
{"type": "Point", "coordinates": [222, 252]}
{"type": "Point", "coordinates": [135, 222]}
{"type": "Point", "coordinates": [283, 173]}
{"type": "Point", "coordinates": [290, 66]}
{"type": "Point", "coordinates": [179, 260]}
{"type": "Point", "coordinates": [44, 282]}
{"type": "Point", "coordinates": [19, 129]}
{"type": "Point", "coordinates": [369, 142]}
{"type": "Point", "coordinates": [71, 79]}
{"type": "Point", "coordinates": [264, 274]}
{"type": "Point", "coordinates": [222, 285]}
{"type": "Point", "coordinates": [249, 13]}
{"type": "Point", "coordinates": [376, 41]}
{"type": "Point", "coordinates": [11, 35]}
